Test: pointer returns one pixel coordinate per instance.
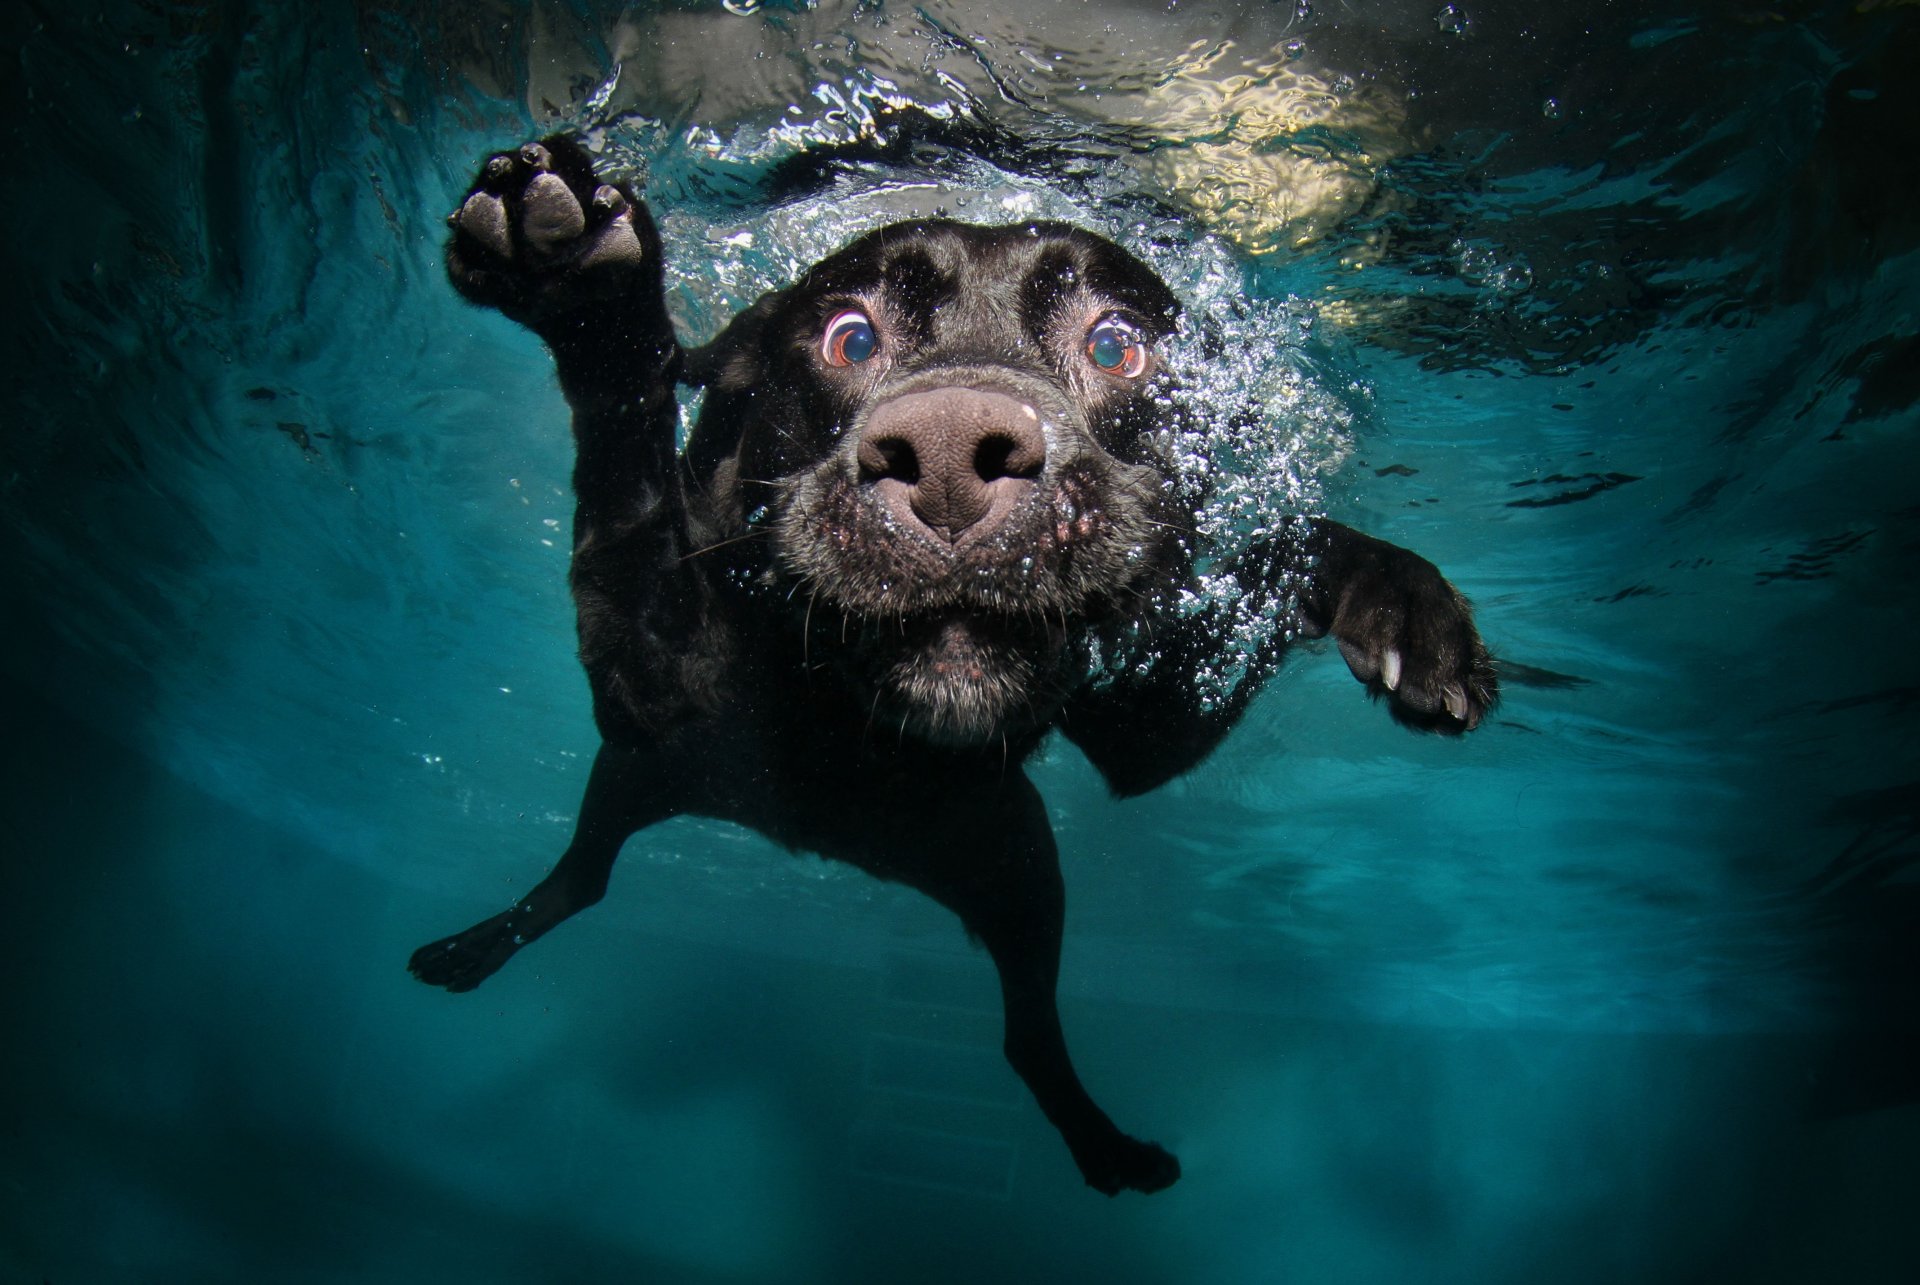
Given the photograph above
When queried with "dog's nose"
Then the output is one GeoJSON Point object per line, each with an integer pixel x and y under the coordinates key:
{"type": "Point", "coordinates": [956, 460]}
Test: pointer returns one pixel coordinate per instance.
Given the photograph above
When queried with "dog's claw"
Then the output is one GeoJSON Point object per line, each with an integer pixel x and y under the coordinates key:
{"type": "Point", "coordinates": [1408, 634]}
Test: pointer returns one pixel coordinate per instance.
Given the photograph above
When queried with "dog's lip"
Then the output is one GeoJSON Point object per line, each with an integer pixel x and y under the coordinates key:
{"type": "Point", "coordinates": [958, 633]}
{"type": "Point", "coordinates": [947, 628]}
{"type": "Point", "coordinates": [956, 649]}
{"type": "Point", "coordinates": [971, 634]}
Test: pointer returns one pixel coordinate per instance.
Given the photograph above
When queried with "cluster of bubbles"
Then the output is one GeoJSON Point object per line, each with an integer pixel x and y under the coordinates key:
{"type": "Point", "coordinates": [1262, 419]}
{"type": "Point", "coordinates": [1501, 275]}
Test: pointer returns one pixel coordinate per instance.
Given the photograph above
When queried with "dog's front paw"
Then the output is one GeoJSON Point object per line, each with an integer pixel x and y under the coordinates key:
{"type": "Point", "coordinates": [1120, 1163]}
{"type": "Point", "coordinates": [1408, 634]}
{"type": "Point", "coordinates": [540, 237]}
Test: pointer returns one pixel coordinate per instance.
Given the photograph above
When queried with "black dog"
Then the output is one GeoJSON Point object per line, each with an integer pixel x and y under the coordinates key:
{"type": "Point", "coordinates": [926, 517]}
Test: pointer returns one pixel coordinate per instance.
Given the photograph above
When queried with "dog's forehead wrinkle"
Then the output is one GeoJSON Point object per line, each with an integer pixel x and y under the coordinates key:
{"type": "Point", "coordinates": [915, 282]}
{"type": "Point", "coordinates": [946, 281]}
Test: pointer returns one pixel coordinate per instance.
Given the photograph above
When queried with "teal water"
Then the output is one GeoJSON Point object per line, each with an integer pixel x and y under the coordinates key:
{"type": "Point", "coordinates": [1611, 313]}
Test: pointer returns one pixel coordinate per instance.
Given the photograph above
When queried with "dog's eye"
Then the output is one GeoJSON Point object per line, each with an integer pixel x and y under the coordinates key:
{"type": "Point", "coordinates": [850, 339]}
{"type": "Point", "coordinates": [1114, 346]}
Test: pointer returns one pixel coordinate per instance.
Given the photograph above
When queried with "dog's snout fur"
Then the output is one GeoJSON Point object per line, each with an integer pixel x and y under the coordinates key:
{"type": "Point", "coordinates": [952, 461]}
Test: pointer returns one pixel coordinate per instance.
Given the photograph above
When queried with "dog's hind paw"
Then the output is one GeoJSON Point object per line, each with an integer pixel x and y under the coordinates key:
{"type": "Point", "coordinates": [1127, 1164]}
{"type": "Point", "coordinates": [464, 960]}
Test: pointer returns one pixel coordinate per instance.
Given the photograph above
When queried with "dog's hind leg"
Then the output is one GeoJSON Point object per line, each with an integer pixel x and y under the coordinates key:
{"type": "Point", "coordinates": [619, 801]}
{"type": "Point", "coordinates": [1013, 901]}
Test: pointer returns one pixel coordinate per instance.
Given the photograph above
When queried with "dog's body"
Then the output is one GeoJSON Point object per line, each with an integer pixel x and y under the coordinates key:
{"type": "Point", "coordinates": [924, 519]}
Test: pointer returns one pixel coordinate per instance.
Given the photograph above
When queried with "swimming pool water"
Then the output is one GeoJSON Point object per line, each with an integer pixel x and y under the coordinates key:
{"type": "Point", "coordinates": [1610, 312]}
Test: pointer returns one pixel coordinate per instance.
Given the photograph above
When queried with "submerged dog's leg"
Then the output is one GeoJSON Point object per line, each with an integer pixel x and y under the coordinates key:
{"type": "Point", "coordinates": [1014, 902]}
{"type": "Point", "coordinates": [617, 804]}
{"type": "Point", "coordinates": [1028, 959]}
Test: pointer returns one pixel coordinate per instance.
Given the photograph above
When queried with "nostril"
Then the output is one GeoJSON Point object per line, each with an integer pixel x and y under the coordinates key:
{"type": "Point", "coordinates": [951, 460]}
{"type": "Point", "coordinates": [999, 456]}
{"type": "Point", "coordinates": [892, 457]}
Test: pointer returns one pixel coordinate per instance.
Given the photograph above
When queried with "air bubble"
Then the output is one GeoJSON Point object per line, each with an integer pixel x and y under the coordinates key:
{"type": "Point", "coordinates": [1514, 278]}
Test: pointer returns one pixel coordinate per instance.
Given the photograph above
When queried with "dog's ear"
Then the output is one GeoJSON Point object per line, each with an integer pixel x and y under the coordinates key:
{"type": "Point", "coordinates": [732, 360]}
{"type": "Point", "coordinates": [732, 369]}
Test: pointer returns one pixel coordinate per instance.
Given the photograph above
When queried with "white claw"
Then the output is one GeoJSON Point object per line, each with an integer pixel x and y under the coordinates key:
{"type": "Point", "coordinates": [1390, 669]}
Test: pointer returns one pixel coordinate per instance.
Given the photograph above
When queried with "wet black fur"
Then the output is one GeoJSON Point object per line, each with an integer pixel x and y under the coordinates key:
{"type": "Point", "coordinates": [765, 645]}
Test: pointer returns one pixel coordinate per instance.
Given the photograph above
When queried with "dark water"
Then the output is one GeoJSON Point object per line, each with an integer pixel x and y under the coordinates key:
{"type": "Point", "coordinates": [1613, 311]}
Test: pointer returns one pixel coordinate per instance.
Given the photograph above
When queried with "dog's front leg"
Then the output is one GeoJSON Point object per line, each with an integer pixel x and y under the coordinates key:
{"type": "Point", "coordinates": [577, 261]}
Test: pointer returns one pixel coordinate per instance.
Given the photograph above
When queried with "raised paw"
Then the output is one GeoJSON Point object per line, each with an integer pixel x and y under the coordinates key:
{"type": "Point", "coordinates": [1120, 1163]}
{"type": "Point", "coordinates": [1405, 632]}
{"type": "Point", "coordinates": [464, 960]}
{"type": "Point", "coordinates": [540, 237]}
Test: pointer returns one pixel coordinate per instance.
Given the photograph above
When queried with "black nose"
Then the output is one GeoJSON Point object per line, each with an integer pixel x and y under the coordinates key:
{"type": "Point", "coordinates": [953, 460]}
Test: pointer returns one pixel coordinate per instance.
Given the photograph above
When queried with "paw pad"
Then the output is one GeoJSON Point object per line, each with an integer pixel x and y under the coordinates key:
{"type": "Point", "coordinates": [549, 216]}
{"type": "Point", "coordinates": [539, 236]}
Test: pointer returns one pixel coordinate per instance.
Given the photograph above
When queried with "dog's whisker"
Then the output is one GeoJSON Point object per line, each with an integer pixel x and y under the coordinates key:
{"type": "Point", "coordinates": [721, 544]}
{"type": "Point", "coordinates": [806, 627]}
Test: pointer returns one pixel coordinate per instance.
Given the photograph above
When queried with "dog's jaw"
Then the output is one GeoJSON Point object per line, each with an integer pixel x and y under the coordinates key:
{"type": "Point", "coordinates": [961, 680]}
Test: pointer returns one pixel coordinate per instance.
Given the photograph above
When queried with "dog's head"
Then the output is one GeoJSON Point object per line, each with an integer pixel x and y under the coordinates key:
{"type": "Point", "coordinates": [952, 435]}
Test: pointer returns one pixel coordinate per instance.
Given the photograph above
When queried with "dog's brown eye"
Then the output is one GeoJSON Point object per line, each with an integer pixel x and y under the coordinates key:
{"type": "Point", "coordinates": [1114, 346]}
{"type": "Point", "coordinates": [849, 340]}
